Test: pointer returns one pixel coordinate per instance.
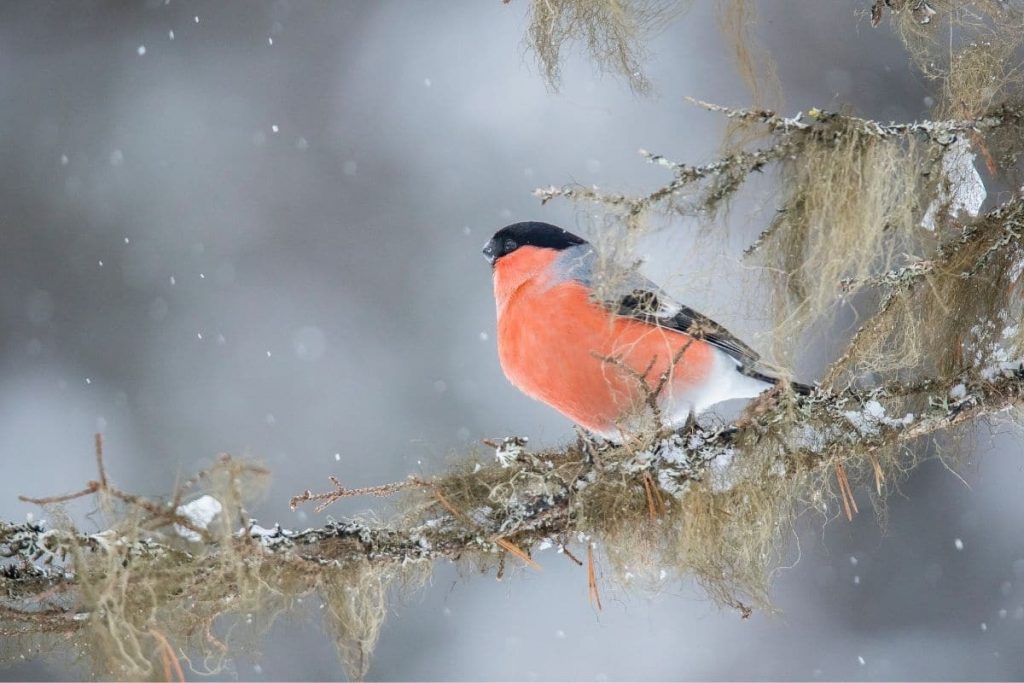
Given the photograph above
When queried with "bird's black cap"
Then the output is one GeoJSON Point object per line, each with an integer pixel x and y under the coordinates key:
{"type": "Point", "coordinates": [529, 234]}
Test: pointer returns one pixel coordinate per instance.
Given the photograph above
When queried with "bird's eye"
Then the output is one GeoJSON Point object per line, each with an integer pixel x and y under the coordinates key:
{"type": "Point", "coordinates": [510, 246]}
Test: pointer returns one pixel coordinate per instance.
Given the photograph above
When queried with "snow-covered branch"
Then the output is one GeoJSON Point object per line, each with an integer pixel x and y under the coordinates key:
{"type": "Point", "coordinates": [940, 132]}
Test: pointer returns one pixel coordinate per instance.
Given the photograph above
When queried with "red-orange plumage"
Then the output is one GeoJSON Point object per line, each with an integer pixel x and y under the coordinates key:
{"type": "Point", "coordinates": [554, 343]}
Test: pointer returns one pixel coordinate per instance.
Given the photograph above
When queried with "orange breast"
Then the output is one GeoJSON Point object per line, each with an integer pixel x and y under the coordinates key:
{"type": "Point", "coordinates": [561, 348]}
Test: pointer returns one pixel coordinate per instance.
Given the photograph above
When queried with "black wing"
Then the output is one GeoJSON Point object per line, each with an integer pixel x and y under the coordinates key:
{"type": "Point", "coordinates": [658, 309]}
{"type": "Point", "coordinates": [634, 296]}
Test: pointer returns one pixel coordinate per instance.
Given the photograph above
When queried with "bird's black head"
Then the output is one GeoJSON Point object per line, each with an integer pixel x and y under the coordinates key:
{"type": "Point", "coordinates": [529, 234]}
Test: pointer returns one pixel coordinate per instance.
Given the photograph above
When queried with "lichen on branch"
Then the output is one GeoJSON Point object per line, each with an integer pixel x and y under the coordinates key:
{"type": "Point", "coordinates": [709, 502]}
{"type": "Point", "coordinates": [613, 32]}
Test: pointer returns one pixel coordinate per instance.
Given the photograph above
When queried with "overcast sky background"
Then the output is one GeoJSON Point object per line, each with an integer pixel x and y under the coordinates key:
{"type": "Point", "coordinates": [262, 237]}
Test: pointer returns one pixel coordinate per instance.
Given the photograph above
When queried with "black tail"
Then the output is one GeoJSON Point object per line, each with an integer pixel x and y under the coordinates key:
{"type": "Point", "coordinates": [801, 389]}
{"type": "Point", "coordinates": [797, 387]}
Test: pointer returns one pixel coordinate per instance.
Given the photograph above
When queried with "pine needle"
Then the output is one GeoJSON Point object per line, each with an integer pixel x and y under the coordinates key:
{"type": "Point", "coordinates": [846, 492]}
{"type": "Point", "coordinates": [171, 665]}
{"type": "Point", "coordinates": [595, 596]}
{"type": "Point", "coordinates": [518, 552]}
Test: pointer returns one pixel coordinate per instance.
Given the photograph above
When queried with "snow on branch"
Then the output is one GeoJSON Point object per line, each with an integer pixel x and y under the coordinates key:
{"type": "Point", "coordinates": [941, 132]}
{"type": "Point", "coordinates": [693, 456]}
{"type": "Point", "coordinates": [661, 492]}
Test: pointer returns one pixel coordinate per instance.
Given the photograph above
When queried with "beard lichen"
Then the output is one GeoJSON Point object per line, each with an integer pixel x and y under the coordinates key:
{"type": "Point", "coordinates": [970, 48]}
{"type": "Point", "coordinates": [614, 32]}
{"type": "Point", "coordinates": [656, 508]}
{"type": "Point", "coordinates": [852, 206]}
{"type": "Point", "coordinates": [355, 600]}
{"type": "Point", "coordinates": [151, 600]}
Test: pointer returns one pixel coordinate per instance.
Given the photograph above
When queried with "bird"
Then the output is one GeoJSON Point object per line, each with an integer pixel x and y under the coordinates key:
{"type": "Point", "coordinates": [610, 353]}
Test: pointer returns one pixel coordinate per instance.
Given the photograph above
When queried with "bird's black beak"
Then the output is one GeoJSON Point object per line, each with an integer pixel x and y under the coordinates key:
{"type": "Point", "coordinates": [490, 252]}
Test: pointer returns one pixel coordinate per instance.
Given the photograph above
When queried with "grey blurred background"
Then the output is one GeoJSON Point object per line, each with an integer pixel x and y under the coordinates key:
{"type": "Point", "coordinates": [255, 228]}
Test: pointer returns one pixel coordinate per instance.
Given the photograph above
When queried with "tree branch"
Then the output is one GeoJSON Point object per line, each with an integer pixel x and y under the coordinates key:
{"type": "Point", "coordinates": [683, 457]}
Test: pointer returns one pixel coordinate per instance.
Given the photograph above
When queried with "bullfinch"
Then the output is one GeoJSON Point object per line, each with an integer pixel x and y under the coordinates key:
{"type": "Point", "coordinates": [608, 353]}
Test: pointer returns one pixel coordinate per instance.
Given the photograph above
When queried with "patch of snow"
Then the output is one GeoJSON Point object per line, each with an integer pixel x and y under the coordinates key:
{"type": "Point", "coordinates": [1001, 368]}
{"type": "Point", "coordinates": [868, 420]}
{"type": "Point", "coordinates": [874, 410]}
{"type": "Point", "coordinates": [200, 512]}
{"type": "Point", "coordinates": [960, 188]}
{"type": "Point", "coordinates": [720, 474]}
{"type": "Point", "coordinates": [257, 531]}
{"type": "Point", "coordinates": [857, 419]}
